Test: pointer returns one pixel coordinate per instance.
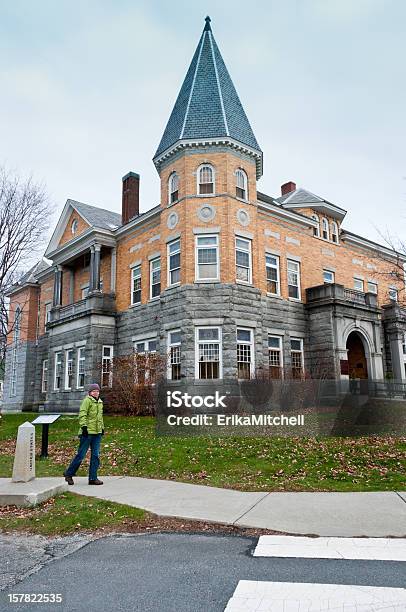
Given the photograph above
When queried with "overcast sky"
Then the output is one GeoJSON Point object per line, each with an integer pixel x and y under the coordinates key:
{"type": "Point", "coordinates": [87, 88]}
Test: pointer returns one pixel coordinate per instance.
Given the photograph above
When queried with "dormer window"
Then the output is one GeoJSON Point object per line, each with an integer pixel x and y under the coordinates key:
{"type": "Point", "coordinates": [173, 188]}
{"type": "Point", "coordinates": [324, 224]}
{"type": "Point", "coordinates": [241, 184]}
{"type": "Point", "coordinates": [205, 180]}
{"type": "Point", "coordinates": [334, 232]}
{"type": "Point", "coordinates": [316, 230]}
{"type": "Point", "coordinates": [74, 226]}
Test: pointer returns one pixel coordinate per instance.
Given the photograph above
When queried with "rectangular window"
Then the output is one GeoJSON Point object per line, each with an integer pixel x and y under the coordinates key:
{"type": "Point", "coordinates": [328, 276]}
{"type": "Point", "coordinates": [296, 356]}
{"type": "Point", "coordinates": [272, 274]}
{"type": "Point", "coordinates": [243, 266]}
{"type": "Point", "coordinates": [294, 279]}
{"type": "Point", "coordinates": [207, 260]}
{"type": "Point", "coordinates": [245, 354]}
{"type": "Point", "coordinates": [174, 262]}
{"type": "Point", "coordinates": [393, 294]}
{"type": "Point", "coordinates": [275, 356]}
{"type": "Point", "coordinates": [145, 368]}
{"type": "Point", "coordinates": [174, 358]}
{"type": "Point", "coordinates": [372, 287]}
{"type": "Point", "coordinates": [68, 369]}
{"type": "Point", "coordinates": [85, 292]}
{"type": "Point", "coordinates": [44, 379]}
{"type": "Point", "coordinates": [58, 371]}
{"type": "Point", "coordinates": [48, 313]}
{"type": "Point", "coordinates": [358, 284]}
{"type": "Point", "coordinates": [107, 366]}
{"type": "Point", "coordinates": [80, 380]}
{"type": "Point", "coordinates": [136, 285]}
{"type": "Point", "coordinates": [155, 277]}
{"type": "Point", "coordinates": [208, 353]}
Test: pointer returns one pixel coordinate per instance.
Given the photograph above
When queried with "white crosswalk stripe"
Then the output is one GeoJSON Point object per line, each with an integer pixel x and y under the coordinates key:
{"type": "Point", "coordinates": [371, 549]}
{"type": "Point", "coordinates": [261, 596]}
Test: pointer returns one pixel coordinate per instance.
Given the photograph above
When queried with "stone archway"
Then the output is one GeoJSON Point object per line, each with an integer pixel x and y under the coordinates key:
{"type": "Point", "coordinates": [357, 358]}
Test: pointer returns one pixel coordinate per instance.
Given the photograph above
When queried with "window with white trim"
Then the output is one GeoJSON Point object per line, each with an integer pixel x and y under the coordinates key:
{"type": "Point", "coordinates": [58, 371]}
{"type": "Point", "coordinates": [173, 188]}
{"type": "Point", "coordinates": [241, 184]}
{"type": "Point", "coordinates": [293, 279]}
{"type": "Point", "coordinates": [155, 277]}
{"type": "Point", "coordinates": [325, 231]}
{"type": "Point", "coordinates": [145, 368]}
{"type": "Point", "coordinates": [316, 230]}
{"type": "Point", "coordinates": [358, 284]}
{"type": "Point", "coordinates": [272, 274]}
{"type": "Point", "coordinates": [136, 285]}
{"type": "Point", "coordinates": [80, 377]}
{"type": "Point", "coordinates": [328, 277]}
{"type": "Point", "coordinates": [174, 262]}
{"type": "Point", "coordinates": [243, 265]}
{"type": "Point", "coordinates": [404, 344]}
{"type": "Point", "coordinates": [68, 369]}
{"type": "Point", "coordinates": [207, 257]}
{"type": "Point", "coordinates": [393, 294]}
{"type": "Point", "coordinates": [174, 357]}
{"type": "Point", "coordinates": [44, 376]}
{"type": "Point", "coordinates": [85, 292]}
{"type": "Point", "coordinates": [107, 366]}
{"type": "Point", "coordinates": [275, 356]}
{"type": "Point", "coordinates": [245, 353]}
{"type": "Point", "coordinates": [208, 353]}
{"type": "Point", "coordinates": [372, 287]}
{"type": "Point", "coordinates": [334, 232]}
{"type": "Point", "coordinates": [48, 307]}
{"type": "Point", "coordinates": [16, 339]}
{"type": "Point", "coordinates": [205, 180]}
{"type": "Point", "coordinates": [296, 357]}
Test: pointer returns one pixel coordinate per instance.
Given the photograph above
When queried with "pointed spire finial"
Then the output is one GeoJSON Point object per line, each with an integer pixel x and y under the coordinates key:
{"type": "Point", "coordinates": [207, 27]}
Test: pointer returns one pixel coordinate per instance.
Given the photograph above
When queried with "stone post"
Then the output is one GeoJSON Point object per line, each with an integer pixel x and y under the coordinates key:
{"type": "Point", "coordinates": [91, 270]}
{"type": "Point", "coordinates": [57, 299]}
{"type": "Point", "coordinates": [97, 248]}
{"type": "Point", "coordinates": [24, 458]}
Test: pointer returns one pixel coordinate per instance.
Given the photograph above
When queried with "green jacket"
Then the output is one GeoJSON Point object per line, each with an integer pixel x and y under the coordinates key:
{"type": "Point", "coordinates": [91, 415]}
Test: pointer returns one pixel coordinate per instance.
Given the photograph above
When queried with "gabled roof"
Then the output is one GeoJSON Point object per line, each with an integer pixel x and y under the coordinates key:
{"type": "Point", "coordinates": [97, 218]}
{"type": "Point", "coordinates": [208, 105]}
{"type": "Point", "coordinates": [30, 277]}
{"type": "Point", "coordinates": [301, 198]}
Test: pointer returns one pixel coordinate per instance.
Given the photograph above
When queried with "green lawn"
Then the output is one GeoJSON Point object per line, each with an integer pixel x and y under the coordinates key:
{"type": "Point", "coordinates": [130, 447]}
{"type": "Point", "coordinates": [69, 513]}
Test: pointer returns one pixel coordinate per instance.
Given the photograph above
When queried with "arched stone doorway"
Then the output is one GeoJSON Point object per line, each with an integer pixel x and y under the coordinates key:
{"type": "Point", "coordinates": [357, 360]}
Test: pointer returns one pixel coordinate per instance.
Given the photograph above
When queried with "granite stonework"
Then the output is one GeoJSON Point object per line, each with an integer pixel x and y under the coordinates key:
{"type": "Point", "coordinates": [323, 322]}
{"type": "Point", "coordinates": [24, 456]}
{"type": "Point", "coordinates": [22, 396]}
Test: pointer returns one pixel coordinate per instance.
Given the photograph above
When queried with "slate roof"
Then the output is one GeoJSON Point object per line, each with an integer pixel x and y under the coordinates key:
{"type": "Point", "coordinates": [97, 217]}
{"type": "Point", "coordinates": [30, 276]}
{"type": "Point", "coordinates": [300, 196]}
{"type": "Point", "coordinates": [208, 105]}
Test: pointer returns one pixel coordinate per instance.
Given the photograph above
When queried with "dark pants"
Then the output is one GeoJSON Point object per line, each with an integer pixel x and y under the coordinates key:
{"type": "Point", "coordinates": [92, 440]}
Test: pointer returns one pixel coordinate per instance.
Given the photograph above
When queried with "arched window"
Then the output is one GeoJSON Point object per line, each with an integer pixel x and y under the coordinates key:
{"type": "Point", "coordinates": [173, 187]}
{"type": "Point", "coordinates": [324, 224]}
{"type": "Point", "coordinates": [241, 184]}
{"type": "Point", "coordinates": [316, 230]}
{"type": "Point", "coordinates": [205, 180]}
{"type": "Point", "coordinates": [334, 232]}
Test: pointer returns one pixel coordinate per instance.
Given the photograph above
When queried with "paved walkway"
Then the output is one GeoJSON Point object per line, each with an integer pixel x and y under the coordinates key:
{"type": "Point", "coordinates": [379, 514]}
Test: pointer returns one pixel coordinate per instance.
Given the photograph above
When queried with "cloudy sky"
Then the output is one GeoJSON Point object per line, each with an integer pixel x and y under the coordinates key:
{"type": "Point", "coordinates": [87, 88]}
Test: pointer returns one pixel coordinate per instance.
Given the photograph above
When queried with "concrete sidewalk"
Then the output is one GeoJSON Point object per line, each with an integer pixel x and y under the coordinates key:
{"type": "Point", "coordinates": [377, 514]}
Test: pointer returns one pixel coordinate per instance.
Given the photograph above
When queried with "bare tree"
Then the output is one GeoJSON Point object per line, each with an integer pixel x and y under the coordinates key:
{"type": "Point", "coordinates": [24, 221]}
{"type": "Point", "coordinates": [393, 269]}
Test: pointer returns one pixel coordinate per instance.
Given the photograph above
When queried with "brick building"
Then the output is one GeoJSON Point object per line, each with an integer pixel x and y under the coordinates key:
{"type": "Point", "coordinates": [220, 278]}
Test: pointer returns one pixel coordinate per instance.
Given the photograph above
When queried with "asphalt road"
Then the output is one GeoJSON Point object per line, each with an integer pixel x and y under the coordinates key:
{"type": "Point", "coordinates": [179, 572]}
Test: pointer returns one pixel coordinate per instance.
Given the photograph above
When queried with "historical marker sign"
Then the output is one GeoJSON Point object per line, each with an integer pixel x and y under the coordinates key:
{"type": "Point", "coordinates": [24, 459]}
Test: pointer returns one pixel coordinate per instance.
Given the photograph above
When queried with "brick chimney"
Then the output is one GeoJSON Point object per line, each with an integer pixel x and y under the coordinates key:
{"type": "Point", "coordinates": [131, 197]}
{"type": "Point", "coordinates": [288, 187]}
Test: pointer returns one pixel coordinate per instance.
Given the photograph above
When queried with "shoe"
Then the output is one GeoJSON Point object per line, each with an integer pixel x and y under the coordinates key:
{"type": "Point", "coordinates": [68, 479]}
{"type": "Point", "coordinates": [95, 482]}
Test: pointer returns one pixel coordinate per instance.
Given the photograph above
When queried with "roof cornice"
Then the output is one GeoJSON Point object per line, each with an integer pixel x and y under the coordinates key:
{"type": "Point", "coordinates": [187, 143]}
{"type": "Point", "coordinates": [365, 243]}
{"type": "Point", "coordinates": [286, 214]}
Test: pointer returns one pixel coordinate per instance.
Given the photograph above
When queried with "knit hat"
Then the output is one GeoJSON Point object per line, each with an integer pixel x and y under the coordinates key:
{"type": "Point", "coordinates": [94, 387]}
